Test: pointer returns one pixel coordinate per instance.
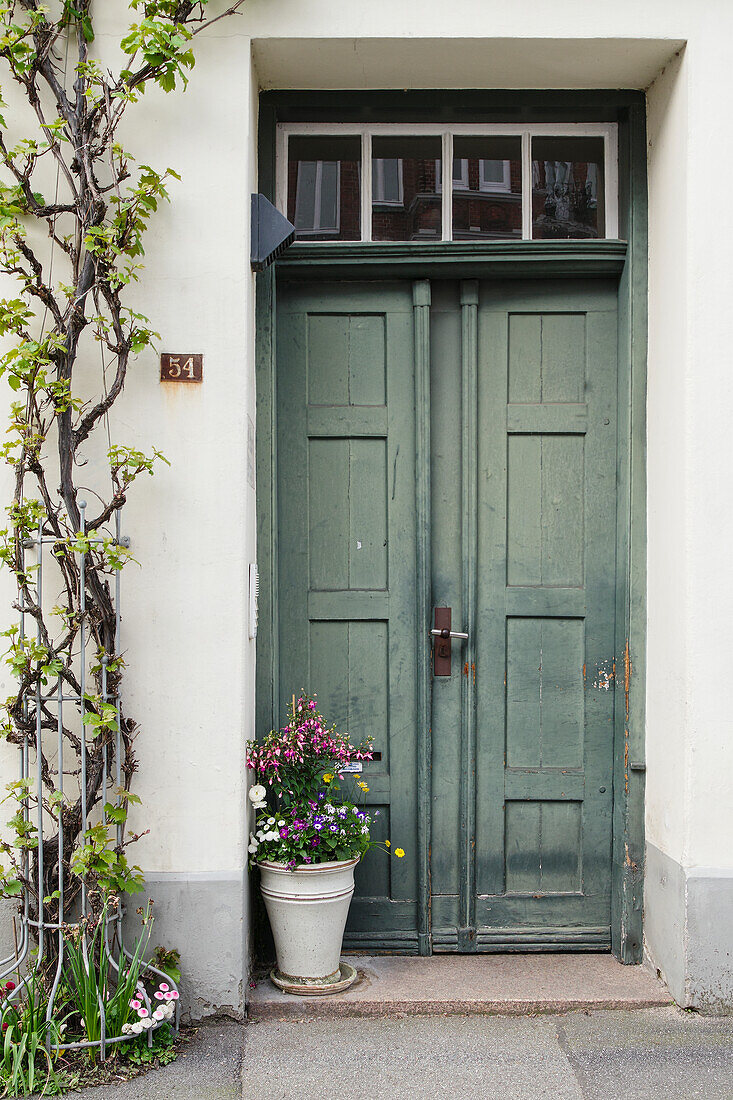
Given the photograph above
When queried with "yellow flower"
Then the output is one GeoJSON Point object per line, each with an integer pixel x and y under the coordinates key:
{"type": "Point", "coordinates": [365, 788]}
{"type": "Point", "coordinates": [327, 777]}
{"type": "Point", "coordinates": [399, 853]}
{"type": "Point", "coordinates": [387, 843]}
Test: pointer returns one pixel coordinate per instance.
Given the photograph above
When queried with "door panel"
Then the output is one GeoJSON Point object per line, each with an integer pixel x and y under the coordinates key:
{"type": "Point", "coordinates": [346, 503]}
{"type": "Point", "coordinates": [536, 760]}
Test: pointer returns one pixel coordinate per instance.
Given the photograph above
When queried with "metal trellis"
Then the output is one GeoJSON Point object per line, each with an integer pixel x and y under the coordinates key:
{"type": "Point", "coordinates": [57, 697]}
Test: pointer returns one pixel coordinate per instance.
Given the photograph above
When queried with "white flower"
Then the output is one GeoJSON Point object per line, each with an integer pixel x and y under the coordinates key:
{"type": "Point", "coordinates": [147, 1023]}
{"type": "Point", "coordinates": [271, 821]}
{"type": "Point", "coordinates": [159, 1014]}
{"type": "Point", "coordinates": [136, 1028]}
{"type": "Point", "coordinates": [281, 823]}
{"type": "Point", "coordinates": [257, 793]}
{"type": "Point", "coordinates": [328, 808]}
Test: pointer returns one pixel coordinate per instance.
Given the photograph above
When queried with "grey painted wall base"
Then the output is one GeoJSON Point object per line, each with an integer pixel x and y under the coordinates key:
{"type": "Point", "coordinates": [205, 916]}
{"type": "Point", "coordinates": [688, 921]}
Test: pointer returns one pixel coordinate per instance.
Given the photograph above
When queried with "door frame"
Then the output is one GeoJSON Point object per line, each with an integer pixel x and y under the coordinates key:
{"type": "Point", "coordinates": [521, 258]}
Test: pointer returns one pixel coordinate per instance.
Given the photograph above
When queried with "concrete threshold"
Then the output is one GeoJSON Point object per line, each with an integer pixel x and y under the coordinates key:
{"type": "Point", "coordinates": [509, 985]}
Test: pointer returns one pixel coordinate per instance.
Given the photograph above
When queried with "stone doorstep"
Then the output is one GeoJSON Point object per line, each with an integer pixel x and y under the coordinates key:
{"type": "Point", "coordinates": [509, 985]}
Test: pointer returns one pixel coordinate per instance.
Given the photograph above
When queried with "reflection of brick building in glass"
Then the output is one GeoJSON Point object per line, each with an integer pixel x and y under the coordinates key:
{"type": "Point", "coordinates": [406, 205]}
{"type": "Point", "coordinates": [487, 199]}
{"type": "Point", "coordinates": [324, 188]}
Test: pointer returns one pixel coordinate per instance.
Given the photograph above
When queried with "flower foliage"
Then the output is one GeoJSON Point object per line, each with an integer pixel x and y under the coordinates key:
{"type": "Point", "coordinates": [291, 761]}
{"type": "Point", "coordinates": [301, 816]}
{"type": "Point", "coordinates": [316, 832]}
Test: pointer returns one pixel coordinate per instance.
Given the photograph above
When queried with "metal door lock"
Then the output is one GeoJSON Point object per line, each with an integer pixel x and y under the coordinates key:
{"type": "Point", "coordinates": [442, 646]}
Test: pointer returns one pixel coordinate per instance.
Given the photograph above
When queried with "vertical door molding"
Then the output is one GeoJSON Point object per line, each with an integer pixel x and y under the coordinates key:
{"type": "Point", "coordinates": [627, 897]}
{"type": "Point", "coordinates": [421, 310]}
{"type": "Point", "coordinates": [469, 375]}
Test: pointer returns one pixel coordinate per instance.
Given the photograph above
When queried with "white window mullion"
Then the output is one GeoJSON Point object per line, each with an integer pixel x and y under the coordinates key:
{"type": "Point", "coordinates": [447, 181]}
{"type": "Point", "coordinates": [526, 185]}
{"type": "Point", "coordinates": [610, 156]}
{"type": "Point", "coordinates": [281, 189]}
{"type": "Point", "coordinates": [366, 186]}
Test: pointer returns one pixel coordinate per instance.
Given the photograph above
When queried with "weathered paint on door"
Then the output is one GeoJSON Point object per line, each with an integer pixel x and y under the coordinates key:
{"type": "Point", "coordinates": [347, 562]}
{"type": "Point", "coordinates": [523, 550]}
{"type": "Point", "coordinates": [521, 414]}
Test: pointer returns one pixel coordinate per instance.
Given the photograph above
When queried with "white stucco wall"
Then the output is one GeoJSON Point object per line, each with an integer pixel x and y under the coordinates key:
{"type": "Point", "coordinates": [190, 663]}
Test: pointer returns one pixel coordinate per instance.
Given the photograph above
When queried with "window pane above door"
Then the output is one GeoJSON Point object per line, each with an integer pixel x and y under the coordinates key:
{"type": "Point", "coordinates": [489, 207]}
{"type": "Point", "coordinates": [324, 188]}
{"type": "Point", "coordinates": [406, 201]}
{"type": "Point", "coordinates": [568, 187]}
{"type": "Point", "coordinates": [495, 182]}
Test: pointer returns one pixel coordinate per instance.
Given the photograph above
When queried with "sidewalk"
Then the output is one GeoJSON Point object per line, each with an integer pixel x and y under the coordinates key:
{"type": "Point", "coordinates": [642, 1054]}
{"type": "Point", "coordinates": [453, 1028]}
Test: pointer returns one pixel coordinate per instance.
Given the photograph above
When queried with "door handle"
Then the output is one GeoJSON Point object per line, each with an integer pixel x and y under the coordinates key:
{"type": "Point", "coordinates": [443, 636]}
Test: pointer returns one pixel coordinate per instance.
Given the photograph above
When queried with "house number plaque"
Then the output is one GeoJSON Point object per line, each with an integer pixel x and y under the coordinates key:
{"type": "Point", "coordinates": [182, 367]}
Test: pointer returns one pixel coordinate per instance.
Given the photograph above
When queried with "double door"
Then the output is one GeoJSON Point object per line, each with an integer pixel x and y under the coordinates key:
{"type": "Point", "coordinates": [453, 445]}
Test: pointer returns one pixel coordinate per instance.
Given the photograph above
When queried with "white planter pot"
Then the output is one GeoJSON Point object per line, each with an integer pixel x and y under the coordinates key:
{"type": "Point", "coordinates": [307, 908]}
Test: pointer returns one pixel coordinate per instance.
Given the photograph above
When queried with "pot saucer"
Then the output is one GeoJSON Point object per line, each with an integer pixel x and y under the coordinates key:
{"type": "Point", "coordinates": [347, 976]}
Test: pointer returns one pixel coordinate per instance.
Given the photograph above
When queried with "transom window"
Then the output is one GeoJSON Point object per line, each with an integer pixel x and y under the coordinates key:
{"type": "Point", "coordinates": [387, 182]}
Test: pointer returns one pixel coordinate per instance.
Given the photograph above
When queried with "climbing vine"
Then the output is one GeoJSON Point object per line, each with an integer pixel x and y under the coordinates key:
{"type": "Point", "coordinates": [74, 208]}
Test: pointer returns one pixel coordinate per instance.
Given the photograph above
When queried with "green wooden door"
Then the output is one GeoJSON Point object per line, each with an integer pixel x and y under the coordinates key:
{"type": "Point", "coordinates": [347, 559]}
{"type": "Point", "coordinates": [454, 444]}
{"type": "Point", "coordinates": [523, 547]}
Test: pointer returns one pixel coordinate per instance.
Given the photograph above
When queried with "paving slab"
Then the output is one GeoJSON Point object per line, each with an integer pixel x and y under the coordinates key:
{"type": "Point", "coordinates": [411, 1057]}
{"type": "Point", "coordinates": [465, 984]}
{"type": "Point", "coordinates": [665, 1053]}
{"type": "Point", "coordinates": [207, 1068]}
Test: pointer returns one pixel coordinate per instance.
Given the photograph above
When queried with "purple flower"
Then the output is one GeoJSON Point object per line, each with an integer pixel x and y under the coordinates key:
{"type": "Point", "coordinates": [307, 859]}
{"type": "Point", "coordinates": [318, 825]}
{"type": "Point", "coordinates": [284, 831]}
{"type": "Point", "coordinates": [333, 828]}
{"type": "Point", "coordinates": [314, 842]}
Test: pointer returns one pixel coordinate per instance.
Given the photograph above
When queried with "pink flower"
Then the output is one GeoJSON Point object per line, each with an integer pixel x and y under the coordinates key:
{"type": "Point", "coordinates": [142, 1013]}
{"type": "Point", "coordinates": [135, 1004]}
{"type": "Point", "coordinates": [164, 986]}
{"type": "Point", "coordinates": [158, 995]}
